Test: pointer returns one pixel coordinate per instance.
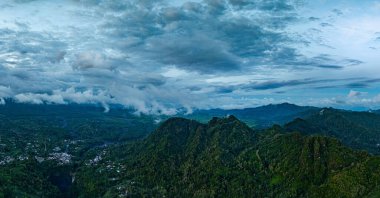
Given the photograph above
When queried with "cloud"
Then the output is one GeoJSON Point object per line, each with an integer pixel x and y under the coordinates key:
{"type": "Point", "coordinates": [88, 60]}
{"type": "Point", "coordinates": [369, 102]}
{"type": "Point", "coordinates": [5, 92]}
{"type": "Point", "coordinates": [118, 52]}
{"type": "Point", "coordinates": [353, 99]}
{"type": "Point", "coordinates": [210, 36]}
{"type": "Point", "coordinates": [24, 1]}
{"type": "Point", "coordinates": [197, 52]}
{"type": "Point", "coordinates": [69, 95]}
{"type": "Point", "coordinates": [363, 83]}
{"type": "Point", "coordinates": [314, 18]}
{"type": "Point", "coordinates": [337, 12]}
{"type": "Point", "coordinates": [326, 25]}
{"type": "Point", "coordinates": [354, 94]}
{"type": "Point", "coordinates": [278, 84]}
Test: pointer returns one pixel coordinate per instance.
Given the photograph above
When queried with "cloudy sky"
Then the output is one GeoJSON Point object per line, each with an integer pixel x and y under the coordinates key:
{"type": "Point", "coordinates": [160, 55]}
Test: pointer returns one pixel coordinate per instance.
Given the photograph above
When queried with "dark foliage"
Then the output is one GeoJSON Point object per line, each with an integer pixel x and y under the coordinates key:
{"type": "Point", "coordinates": [359, 130]}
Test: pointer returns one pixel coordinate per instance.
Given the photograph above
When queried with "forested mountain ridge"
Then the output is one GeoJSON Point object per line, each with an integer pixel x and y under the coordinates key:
{"type": "Point", "coordinates": [226, 158]}
{"type": "Point", "coordinates": [80, 151]}
{"type": "Point", "coordinates": [359, 130]}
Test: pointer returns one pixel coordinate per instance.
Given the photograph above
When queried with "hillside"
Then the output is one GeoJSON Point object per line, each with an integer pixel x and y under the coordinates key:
{"type": "Point", "coordinates": [359, 130]}
{"type": "Point", "coordinates": [76, 121]}
{"type": "Point", "coordinates": [226, 158]}
{"type": "Point", "coordinates": [42, 145]}
{"type": "Point", "coordinates": [80, 151]}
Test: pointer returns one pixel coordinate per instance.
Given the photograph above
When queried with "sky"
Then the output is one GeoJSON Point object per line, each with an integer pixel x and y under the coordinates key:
{"type": "Point", "coordinates": [162, 56]}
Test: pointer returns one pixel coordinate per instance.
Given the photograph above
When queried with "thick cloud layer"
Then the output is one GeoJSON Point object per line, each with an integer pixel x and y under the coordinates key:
{"type": "Point", "coordinates": [162, 55]}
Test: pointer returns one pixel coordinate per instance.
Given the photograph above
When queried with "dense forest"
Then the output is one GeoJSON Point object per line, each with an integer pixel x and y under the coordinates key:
{"type": "Point", "coordinates": [80, 151]}
{"type": "Point", "coordinates": [359, 130]}
{"type": "Point", "coordinates": [226, 158]}
{"type": "Point", "coordinates": [41, 146]}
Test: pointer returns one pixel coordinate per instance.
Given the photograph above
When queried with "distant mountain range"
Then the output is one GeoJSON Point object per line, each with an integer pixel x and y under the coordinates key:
{"type": "Point", "coordinates": [259, 117]}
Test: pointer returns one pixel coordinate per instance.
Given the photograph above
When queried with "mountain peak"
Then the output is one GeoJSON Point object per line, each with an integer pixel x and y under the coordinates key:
{"type": "Point", "coordinates": [285, 104]}
{"type": "Point", "coordinates": [172, 125]}
{"type": "Point", "coordinates": [222, 120]}
{"type": "Point", "coordinates": [231, 118]}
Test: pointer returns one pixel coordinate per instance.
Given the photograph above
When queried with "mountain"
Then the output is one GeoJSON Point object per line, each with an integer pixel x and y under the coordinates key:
{"type": "Point", "coordinates": [80, 151]}
{"type": "Point", "coordinates": [259, 117]}
{"type": "Point", "coordinates": [41, 146]}
{"type": "Point", "coordinates": [359, 130]}
{"type": "Point", "coordinates": [77, 121]}
{"type": "Point", "coordinates": [226, 158]}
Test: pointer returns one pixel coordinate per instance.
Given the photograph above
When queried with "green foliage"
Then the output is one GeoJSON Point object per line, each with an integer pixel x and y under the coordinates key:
{"type": "Point", "coordinates": [184, 158]}
{"type": "Point", "coordinates": [359, 130]}
{"type": "Point", "coordinates": [226, 158]}
{"type": "Point", "coordinates": [34, 139]}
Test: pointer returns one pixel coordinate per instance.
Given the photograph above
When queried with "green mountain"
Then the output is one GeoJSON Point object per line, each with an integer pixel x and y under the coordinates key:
{"type": "Point", "coordinates": [359, 130]}
{"type": "Point", "coordinates": [75, 121]}
{"type": "Point", "coordinates": [226, 158]}
{"type": "Point", "coordinates": [41, 146]}
{"type": "Point", "coordinates": [259, 117]}
{"type": "Point", "coordinates": [80, 151]}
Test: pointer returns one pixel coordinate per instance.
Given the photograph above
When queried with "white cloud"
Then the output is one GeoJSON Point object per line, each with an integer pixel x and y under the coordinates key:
{"type": "Point", "coordinates": [158, 56]}
{"type": "Point", "coordinates": [88, 60]}
{"type": "Point", "coordinates": [354, 94]}
{"type": "Point", "coordinates": [66, 96]}
{"type": "Point", "coordinates": [5, 92]}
